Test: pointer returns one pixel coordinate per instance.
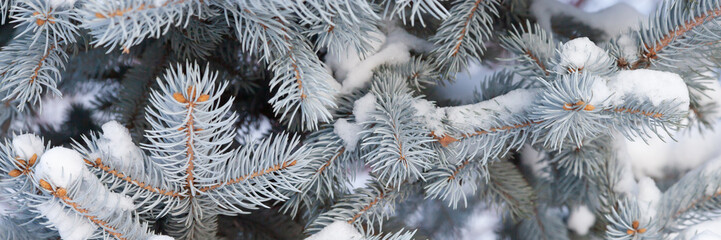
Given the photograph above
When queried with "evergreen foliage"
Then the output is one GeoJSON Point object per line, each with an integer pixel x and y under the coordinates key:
{"type": "Point", "coordinates": [165, 148]}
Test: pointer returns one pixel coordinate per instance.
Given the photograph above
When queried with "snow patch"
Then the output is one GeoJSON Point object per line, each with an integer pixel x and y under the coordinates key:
{"type": "Point", "coordinates": [338, 230]}
{"type": "Point", "coordinates": [626, 183]}
{"type": "Point", "coordinates": [363, 107]}
{"type": "Point", "coordinates": [712, 167]}
{"type": "Point", "coordinates": [117, 143]}
{"type": "Point", "coordinates": [60, 166]}
{"type": "Point", "coordinates": [653, 86]}
{"type": "Point", "coordinates": [160, 237]}
{"type": "Point", "coordinates": [648, 196]}
{"type": "Point", "coordinates": [706, 235]}
{"type": "Point", "coordinates": [579, 53]}
{"type": "Point", "coordinates": [703, 231]}
{"type": "Point", "coordinates": [392, 53]}
{"type": "Point", "coordinates": [628, 46]}
{"type": "Point", "coordinates": [28, 144]}
{"type": "Point", "coordinates": [341, 64]}
{"type": "Point", "coordinates": [61, 3]}
{"type": "Point", "coordinates": [430, 115]}
{"type": "Point", "coordinates": [581, 220]}
{"type": "Point", "coordinates": [654, 157]}
{"type": "Point", "coordinates": [481, 225]}
{"type": "Point", "coordinates": [355, 73]}
{"type": "Point", "coordinates": [600, 92]}
{"type": "Point", "coordinates": [70, 225]}
{"type": "Point", "coordinates": [468, 118]}
{"type": "Point", "coordinates": [159, 3]}
{"type": "Point", "coordinates": [349, 132]}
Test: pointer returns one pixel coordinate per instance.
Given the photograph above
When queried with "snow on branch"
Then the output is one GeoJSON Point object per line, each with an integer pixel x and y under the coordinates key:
{"type": "Point", "coordinates": [79, 196]}
{"type": "Point", "coordinates": [122, 167]}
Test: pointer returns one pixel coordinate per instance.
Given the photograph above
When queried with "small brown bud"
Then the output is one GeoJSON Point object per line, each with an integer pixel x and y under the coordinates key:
{"type": "Point", "coordinates": [15, 173]}
{"type": "Point", "coordinates": [44, 184]}
{"type": "Point", "coordinates": [33, 159]}
{"type": "Point", "coordinates": [179, 97]}
{"type": "Point", "coordinates": [203, 97]}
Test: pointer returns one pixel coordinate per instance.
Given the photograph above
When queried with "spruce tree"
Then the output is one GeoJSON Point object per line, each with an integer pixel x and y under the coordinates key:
{"type": "Point", "coordinates": [253, 119]}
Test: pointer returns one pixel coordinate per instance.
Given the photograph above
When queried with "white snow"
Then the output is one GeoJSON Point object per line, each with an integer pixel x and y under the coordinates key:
{"type": "Point", "coordinates": [114, 200]}
{"type": "Point", "coordinates": [690, 149]}
{"type": "Point", "coordinates": [707, 235]}
{"type": "Point", "coordinates": [60, 166]}
{"type": "Point", "coordinates": [430, 115]}
{"type": "Point", "coordinates": [703, 231]}
{"type": "Point", "coordinates": [348, 132]}
{"type": "Point", "coordinates": [338, 230]}
{"type": "Point", "coordinates": [712, 167]}
{"type": "Point", "coordinates": [628, 46]}
{"type": "Point", "coordinates": [600, 92]}
{"type": "Point", "coordinates": [363, 107]}
{"type": "Point", "coordinates": [54, 109]}
{"type": "Point", "coordinates": [395, 49]}
{"type": "Point", "coordinates": [60, 3]}
{"type": "Point", "coordinates": [160, 237]}
{"type": "Point", "coordinates": [653, 86]}
{"type": "Point", "coordinates": [648, 196]}
{"type": "Point", "coordinates": [627, 183]}
{"type": "Point", "coordinates": [361, 179]}
{"type": "Point", "coordinates": [28, 144]}
{"type": "Point", "coordinates": [579, 53]}
{"type": "Point", "coordinates": [340, 65]}
{"type": "Point", "coordinates": [117, 143]}
{"type": "Point", "coordinates": [643, 6]}
{"type": "Point", "coordinates": [482, 225]}
{"type": "Point", "coordinates": [581, 219]}
{"type": "Point", "coordinates": [392, 53]}
{"type": "Point", "coordinates": [159, 3]}
{"type": "Point", "coordinates": [71, 226]}
{"type": "Point", "coordinates": [468, 118]}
